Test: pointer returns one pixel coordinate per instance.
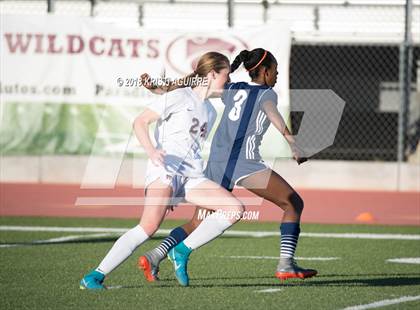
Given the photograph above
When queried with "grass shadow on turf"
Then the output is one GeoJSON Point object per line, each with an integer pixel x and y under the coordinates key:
{"type": "Point", "coordinates": [367, 275]}
{"type": "Point", "coordinates": [385, 281]}
{"type": "Point", "coordinates": [268, 277]}
{"type": "Point", "coordinates": [152, 286]}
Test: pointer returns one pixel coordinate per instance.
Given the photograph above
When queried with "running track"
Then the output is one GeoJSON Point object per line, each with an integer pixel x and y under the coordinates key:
{"type": "Point", "coordinates": [321, 206]}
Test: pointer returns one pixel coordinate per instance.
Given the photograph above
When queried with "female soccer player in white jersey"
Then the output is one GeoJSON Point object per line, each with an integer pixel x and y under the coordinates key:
{"type": "Point", "coordinates": [175, 168]}
{"type": "Point", "coordinates": [235, 159]}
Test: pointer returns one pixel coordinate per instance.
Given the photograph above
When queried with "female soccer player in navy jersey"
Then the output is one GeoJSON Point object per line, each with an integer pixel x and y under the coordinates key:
{"type": "Point", "coordinates": [235, 159]}
{"type": "Point", "coordinates": [175, 167]}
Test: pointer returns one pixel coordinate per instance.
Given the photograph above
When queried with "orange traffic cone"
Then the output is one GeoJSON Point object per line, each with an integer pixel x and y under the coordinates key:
{"type": "Point", "coordinates": [365, 217]}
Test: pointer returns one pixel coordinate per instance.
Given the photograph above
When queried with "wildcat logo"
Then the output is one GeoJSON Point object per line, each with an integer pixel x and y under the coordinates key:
{"type": "Point", "coordinates": [183, 53]}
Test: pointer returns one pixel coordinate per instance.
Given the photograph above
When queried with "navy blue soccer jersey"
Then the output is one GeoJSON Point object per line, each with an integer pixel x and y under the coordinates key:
{"type": "Point", "coordinates": [243, 123]}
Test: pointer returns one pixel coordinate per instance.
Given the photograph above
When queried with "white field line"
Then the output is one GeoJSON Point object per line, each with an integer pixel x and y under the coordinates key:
{"type": "Point", "coordinates": [64, 229]}
{"type": "Point", "coordinates": [140, 201]}
{"type": "Point", "coordinates": [55, 240]}
{"type": "Point", "coordinates": [276, 258]}
{"type": "Point", "coordinates": [115, 287]}
{"type": "Point", "coordinates": [72, 238]}
{"type": "Point", "coordinates": [385, 302]}
{"type": "Point", "coordinates": [405, 260]}
{"type": "Point", "coordinates": [363, 236]}
{"type": "Point", "coordinates": [269, 290]}
{"type": "Point", "coordinates": [236, 233]}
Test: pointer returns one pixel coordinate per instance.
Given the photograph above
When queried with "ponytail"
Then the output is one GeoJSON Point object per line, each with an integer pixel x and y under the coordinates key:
{"type": "Point", "coordinates": [242, 57]}
{"type": "Point", "coordinates": [253, 61]}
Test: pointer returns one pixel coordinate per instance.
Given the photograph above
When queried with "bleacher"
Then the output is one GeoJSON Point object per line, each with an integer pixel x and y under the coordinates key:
{"type": "Point", "coordinates": [310, 20]}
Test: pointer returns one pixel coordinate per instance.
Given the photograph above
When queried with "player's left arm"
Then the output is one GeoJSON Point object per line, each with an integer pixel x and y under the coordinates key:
{"type": "Point", "coordinates": [270, 109]}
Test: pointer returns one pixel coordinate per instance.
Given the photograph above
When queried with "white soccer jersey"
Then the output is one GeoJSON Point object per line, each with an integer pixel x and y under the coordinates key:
{"type": "Point", "coordinates": [185, 122]}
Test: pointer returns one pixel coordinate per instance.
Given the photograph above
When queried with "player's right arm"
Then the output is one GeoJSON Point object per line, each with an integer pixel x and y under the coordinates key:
{"type": "Point", "coordinates": [141, 129]}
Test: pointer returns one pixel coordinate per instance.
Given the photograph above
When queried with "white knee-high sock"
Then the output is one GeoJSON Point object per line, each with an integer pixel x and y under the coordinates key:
{"type": "Point", "coordinates": [211, 227]}
{"type": "Point", "coordinates": [122, 249]}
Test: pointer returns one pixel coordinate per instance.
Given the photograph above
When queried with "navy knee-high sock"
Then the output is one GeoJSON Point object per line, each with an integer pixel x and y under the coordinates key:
{"type": "Point", "coordinates": [289, 238]}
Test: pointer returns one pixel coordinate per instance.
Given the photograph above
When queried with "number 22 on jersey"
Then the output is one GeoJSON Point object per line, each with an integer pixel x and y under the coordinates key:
{"type": "Point", "coordinates": [238, 99]}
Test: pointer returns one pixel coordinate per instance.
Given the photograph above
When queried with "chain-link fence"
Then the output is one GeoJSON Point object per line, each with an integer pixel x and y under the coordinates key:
{"type": "Point", "coordinates": [366, 77]}
{"type": "Point", "coordinates": [355, 48]}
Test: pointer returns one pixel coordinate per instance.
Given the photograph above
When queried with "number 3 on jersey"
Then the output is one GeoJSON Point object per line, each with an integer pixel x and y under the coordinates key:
{"type": "Point", "coordinates": [239, 99]}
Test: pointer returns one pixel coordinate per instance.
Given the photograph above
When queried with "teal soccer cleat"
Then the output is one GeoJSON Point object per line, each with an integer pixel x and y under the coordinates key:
{"type": "Point", "coordinates": [179, 257]}
{"type": "Point", "coordinates": [93, 281]}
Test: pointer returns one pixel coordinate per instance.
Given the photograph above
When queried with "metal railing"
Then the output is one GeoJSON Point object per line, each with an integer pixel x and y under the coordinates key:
{"type": "Point", "coordinates": [366, 51]}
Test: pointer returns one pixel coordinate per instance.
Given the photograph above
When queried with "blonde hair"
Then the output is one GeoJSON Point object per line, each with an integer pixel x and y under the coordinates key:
{"type": "Point", "coordinates": [211, 61]}
{"type": "Point", "coordinates": [207, 62]}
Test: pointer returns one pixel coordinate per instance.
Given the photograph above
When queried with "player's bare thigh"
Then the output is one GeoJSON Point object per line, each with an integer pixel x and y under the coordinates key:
{"type": "Point", "coordinates": [271, 186]}
{"type": "Point", "coordinates": [157, 200]}
{"type": "Point", "coordinates": [212, 196]}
